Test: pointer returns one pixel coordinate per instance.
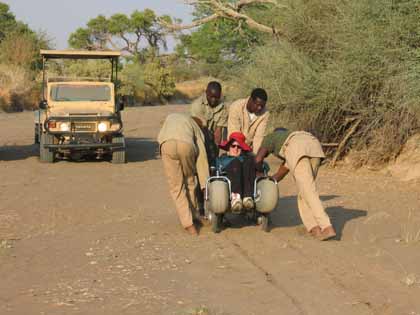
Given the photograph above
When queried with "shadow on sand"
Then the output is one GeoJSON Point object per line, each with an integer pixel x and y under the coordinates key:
{"type": "Point", "coordinates": [287, 215]}
{"type": "Point", "coordinates": [142, 149]}
{"type": "Point", "coordinates": [138, 150]}
{"type": "Point", "coordinates": [18, 152]}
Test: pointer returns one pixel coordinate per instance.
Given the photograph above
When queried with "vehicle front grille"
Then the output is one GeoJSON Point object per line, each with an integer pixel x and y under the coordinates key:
{"type": "Point", "coordinates": [84, 127]}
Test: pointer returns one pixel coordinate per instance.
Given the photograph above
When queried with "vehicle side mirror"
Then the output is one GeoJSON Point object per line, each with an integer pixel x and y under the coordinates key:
{"type": "Point", "coordinates": [43, 104]}
{"type": "Point", "coordinates": [121, 104]}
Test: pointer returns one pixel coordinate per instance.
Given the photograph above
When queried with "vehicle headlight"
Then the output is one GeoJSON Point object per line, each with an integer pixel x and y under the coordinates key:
{"type": "Point", "coordinates": [102, 127]}
{"type": "Point", "coordinates": [65, 126]}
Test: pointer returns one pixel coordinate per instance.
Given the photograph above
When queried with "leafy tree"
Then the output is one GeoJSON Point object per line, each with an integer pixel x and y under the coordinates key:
{"type": "Point", "coordinates": [135, 34]}
{"type": "Point", "coordinates": [7, 20]}
{"type": "Point", "coordinates": [141, 36]}
{"type": "Point", "coordinates": [9, 24]}
{"type": "Point", "coordinates": [220, 43]}
{"type": "Point", "coordinates": [19, 45]}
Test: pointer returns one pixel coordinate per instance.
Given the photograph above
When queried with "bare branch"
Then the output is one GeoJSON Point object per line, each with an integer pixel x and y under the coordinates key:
{"type": "Point", "coordinates": [126, 40]}
{"type": "Point", "coordinates": [179, 27]}
{"type": "Point", "coordinates": [228, 11]}
{"type": "Point", "coordinates": [344, 141]}
{"type": "Point", "coordinates": [235, 15]}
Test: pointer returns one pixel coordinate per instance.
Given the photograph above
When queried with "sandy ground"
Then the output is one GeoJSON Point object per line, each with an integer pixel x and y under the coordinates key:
{"type": "Point", "coordinates": [97, 238]}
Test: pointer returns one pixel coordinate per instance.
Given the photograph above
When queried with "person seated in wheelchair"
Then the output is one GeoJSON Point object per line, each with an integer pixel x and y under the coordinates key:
{"type": "Point", "coordinates": [238, 165]}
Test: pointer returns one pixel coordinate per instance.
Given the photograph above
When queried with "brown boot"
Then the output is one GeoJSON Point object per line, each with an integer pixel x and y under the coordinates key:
{"type": "Point", "coordinates": [191, 230]}
{"type": "Point", "coordinates": [327, 233]}
{"type": "Point", "coordinates": [316, 232]}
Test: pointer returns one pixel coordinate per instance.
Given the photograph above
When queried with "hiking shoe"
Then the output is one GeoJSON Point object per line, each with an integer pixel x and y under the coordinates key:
{"type": "Point", "coordinates": [236, 203]}
{"type": "Point", "coordinates": [316, 232]}
{"type": "Point", "coordinates": [191, 230]}
{"type": "Point", "coordinates": [327, 234]}
{"type": "Point", "coordinates": [248, 203]}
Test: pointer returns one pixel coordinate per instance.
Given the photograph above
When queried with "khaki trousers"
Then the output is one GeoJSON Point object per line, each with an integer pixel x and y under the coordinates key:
{"type": "Point", "coordinates": [311, 210]}
{"type": "Point", "coordinates": [179, 162]}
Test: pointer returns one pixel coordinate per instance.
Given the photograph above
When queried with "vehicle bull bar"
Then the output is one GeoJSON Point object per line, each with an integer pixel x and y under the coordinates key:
{"type": "Point", "coordinates": [113, 146]}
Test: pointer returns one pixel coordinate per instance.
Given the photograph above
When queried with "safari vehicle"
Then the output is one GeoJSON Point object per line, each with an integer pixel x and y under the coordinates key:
{"type": "Point", "coordinates": [80, 116]}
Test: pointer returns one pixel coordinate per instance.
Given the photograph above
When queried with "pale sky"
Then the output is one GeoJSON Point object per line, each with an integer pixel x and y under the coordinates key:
{"type": "Point", "coordinates": [59, 18]}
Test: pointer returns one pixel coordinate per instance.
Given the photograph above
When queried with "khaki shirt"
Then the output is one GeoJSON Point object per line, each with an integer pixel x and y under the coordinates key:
{"type": "Point", "coordinates": [215, 116]}
{"type": "Point", "coordinates": [239, 120]}
{"type": "Point", "coordinates": [297, 145]}
{"type": "Point", "coordinates": [182, 127]}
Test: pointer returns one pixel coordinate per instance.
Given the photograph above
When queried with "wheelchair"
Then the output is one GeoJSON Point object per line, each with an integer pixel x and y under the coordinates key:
{"type": "Point", "coordinates": [217, 200]}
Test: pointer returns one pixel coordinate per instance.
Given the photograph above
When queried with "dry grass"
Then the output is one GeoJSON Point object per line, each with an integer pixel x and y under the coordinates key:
{"type": "Point", "coordinates": [332, 73]}
{"type": "Point", "coordinates": [18, 91]}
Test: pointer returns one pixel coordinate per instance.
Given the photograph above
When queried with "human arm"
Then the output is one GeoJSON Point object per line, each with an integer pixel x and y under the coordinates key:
{"type": "Point", "coordinates": [218, 133]}
{"type": "Point", "coordinates": [260, 133]}
{"type": "Point", "coordinates": [202, 164]}
{"type": "Point", "coordinates": [281, 173]}
{"type": "Point", "coordinates": [262, 153]}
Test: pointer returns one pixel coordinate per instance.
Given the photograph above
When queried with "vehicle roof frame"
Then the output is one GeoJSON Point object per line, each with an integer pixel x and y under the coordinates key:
{"type": "Point", "coordinates": [113, 56]}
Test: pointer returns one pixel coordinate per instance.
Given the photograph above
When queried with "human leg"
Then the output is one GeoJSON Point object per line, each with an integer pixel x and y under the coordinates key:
{"type": "Point", "coordinates": [248, 181]}
{"type": "Point", "coordinates": [327, 230]}
{"type": "Point", "coordinates": [176, 181]}
{"type": "Point", "coordinates": [310, 206]}
{"type": "Point", "coordinates": [249, 173]}
{"type": "Point", "coordinates": [305, 212]}
{"type": "Point", "coordinates": [187, 158]}
{"type": "Point", "coordinates": [234, 173]}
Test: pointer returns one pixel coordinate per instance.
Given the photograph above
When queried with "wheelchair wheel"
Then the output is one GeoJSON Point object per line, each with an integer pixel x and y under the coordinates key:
{"type": "Point", "coordinates": [217, 222]}
{"type": "Point", "coordinates": [265, 222]}
{"type": "Point", "coordinates": [218, 198]}
{"type": "Point", "coordinates": [267, 196]}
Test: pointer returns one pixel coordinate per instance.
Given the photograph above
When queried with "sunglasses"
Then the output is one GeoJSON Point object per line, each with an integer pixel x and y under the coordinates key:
{"type": "Point", "coordinates": [235, 146]}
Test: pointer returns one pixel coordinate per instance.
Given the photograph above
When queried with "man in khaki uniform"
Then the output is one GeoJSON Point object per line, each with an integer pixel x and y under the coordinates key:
{"type": "Point", "coordinates": [301, 153]}
{"type": "Point", "coordinates": [183, 154]}
{"type": "Point", "coordinates": [214, 110]}
{"type": "Point", "coordinates": [250, 117]}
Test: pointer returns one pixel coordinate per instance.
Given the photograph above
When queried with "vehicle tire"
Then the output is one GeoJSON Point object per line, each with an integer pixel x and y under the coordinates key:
{"type": "Point", "coordinates": [216, 222]}
{"type": "Point", "coordinates": [267, 196]}
{"type": "Point", "coordinates": [265, 222]}
{"type": "Point", "coordinates": [45, 154]}
{"type": "Point", "coordinates": [119, 156]}
{"type": "Point", "coordinates": [36, 134]}
{"type": "Point", "coordinates": [218, 198]}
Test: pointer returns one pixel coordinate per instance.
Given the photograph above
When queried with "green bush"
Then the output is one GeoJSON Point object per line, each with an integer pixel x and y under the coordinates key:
{"type": "Point", "coordinates": [147, 83]}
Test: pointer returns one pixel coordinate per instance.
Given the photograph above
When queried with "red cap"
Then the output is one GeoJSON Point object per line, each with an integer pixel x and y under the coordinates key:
{"type": "Point", "coordinates": [238, 137]}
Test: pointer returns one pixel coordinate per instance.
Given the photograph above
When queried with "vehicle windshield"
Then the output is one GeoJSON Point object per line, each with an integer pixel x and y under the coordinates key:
{"type": "Point", "coordinates": [80, 93]}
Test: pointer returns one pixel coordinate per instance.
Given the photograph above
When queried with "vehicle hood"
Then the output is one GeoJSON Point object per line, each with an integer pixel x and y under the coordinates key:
{"type": "Point", "coordinates": [82, 108]}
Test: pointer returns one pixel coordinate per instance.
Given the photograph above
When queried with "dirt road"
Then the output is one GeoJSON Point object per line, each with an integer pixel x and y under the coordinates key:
{"type": "Point", "coordinates": [96, 238]}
